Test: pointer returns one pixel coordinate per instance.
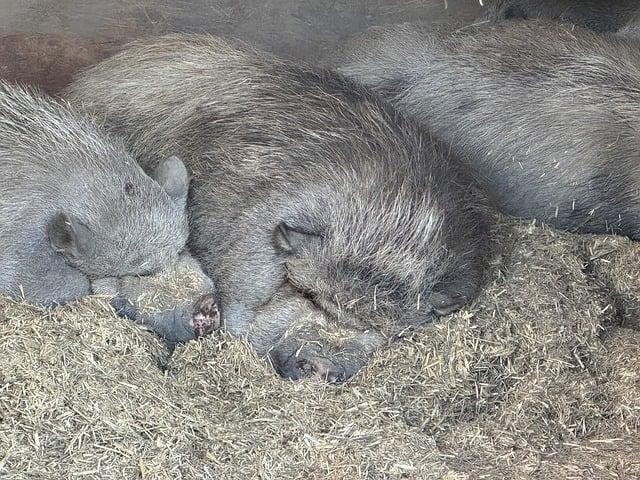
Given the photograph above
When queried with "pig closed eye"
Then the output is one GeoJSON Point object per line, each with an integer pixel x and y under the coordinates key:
{"type": "Point", "coordinates": [311, 296]}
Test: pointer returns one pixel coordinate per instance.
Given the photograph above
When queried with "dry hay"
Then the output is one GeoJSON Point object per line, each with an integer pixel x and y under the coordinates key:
{"type": "Point", "coordinates": [182, 284]}
{"type": "Point", "coordinates": [535, 380]}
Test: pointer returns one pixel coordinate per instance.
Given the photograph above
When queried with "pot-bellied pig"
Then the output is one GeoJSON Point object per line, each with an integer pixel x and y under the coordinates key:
{"type": "Point", "coordinates": [598, 15]}
{"type": "Point", "coordinates": [74, 205]}
{"type": "Point", "coordinates": [302, 179]}
{"type": "Point", "coordinates": [546, 116]}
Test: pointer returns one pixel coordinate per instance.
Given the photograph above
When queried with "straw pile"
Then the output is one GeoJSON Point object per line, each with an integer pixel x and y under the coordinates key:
{"type": "Point", "coordinates": [539, 378]}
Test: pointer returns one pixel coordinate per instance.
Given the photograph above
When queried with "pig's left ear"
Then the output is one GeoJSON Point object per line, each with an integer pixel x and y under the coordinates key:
{"type": "Point", "coordinates": [69, 236]}
{"type": "Point", "coordinates": [289, 240]}
{"type": "Point", "coordinates": [172, 175]}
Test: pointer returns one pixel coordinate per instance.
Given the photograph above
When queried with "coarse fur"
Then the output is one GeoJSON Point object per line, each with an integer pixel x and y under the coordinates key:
{"type": "Point", "coordinates": [631, 29]}
{"type": "Point", "coordinates": [598, 15]}
{"type": "Point", "coordinates": [546, 115]}
{"type": "Point", "coordinates": [75, 206]}
{"type": "Point", "coordinates": [300, 178]}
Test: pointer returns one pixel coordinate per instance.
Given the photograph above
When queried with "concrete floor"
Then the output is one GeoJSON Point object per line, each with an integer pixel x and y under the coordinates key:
{"type": "Point", "coordinates": [45, 42]}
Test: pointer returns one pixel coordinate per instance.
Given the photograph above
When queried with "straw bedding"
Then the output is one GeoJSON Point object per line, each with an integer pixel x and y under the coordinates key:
{"type": "Point", "coordinates": [538, 378]}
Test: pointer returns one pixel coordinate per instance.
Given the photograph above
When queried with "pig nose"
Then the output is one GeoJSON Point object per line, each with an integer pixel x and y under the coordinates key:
{"type": "Point", "coordinates": [308, 364]}
{"type": "Point", "coordinates": [206, 315]}
{"type": "Point", "coordinates": [324, 369]}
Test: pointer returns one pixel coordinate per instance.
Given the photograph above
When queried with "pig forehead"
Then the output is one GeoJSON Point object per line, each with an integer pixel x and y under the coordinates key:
{"type": "Point", "coordinates": [153, 213]}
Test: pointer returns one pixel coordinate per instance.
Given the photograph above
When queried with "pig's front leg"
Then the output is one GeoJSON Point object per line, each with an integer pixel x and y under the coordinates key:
{"type": "Point", "coordinates": [301, 341]}
{"type": "Point", "coordinates": [176, 325]}
{"type": "Point", "coordinates": [307, 352]}
{"type": "Point", "coordinates": [105, 286]}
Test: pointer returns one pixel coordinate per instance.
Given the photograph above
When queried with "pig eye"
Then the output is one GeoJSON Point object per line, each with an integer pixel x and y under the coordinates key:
{"type": "Point", "coordinates": [129, 189]}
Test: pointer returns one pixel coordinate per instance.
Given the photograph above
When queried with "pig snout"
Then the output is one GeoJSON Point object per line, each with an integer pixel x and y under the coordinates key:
{"type": "Point", "coordinates": [307, 362]}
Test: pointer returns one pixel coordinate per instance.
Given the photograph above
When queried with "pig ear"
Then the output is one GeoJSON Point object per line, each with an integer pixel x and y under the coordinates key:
{"type": "Point", "coordinates": [68, 236]}
{"type": "Point", "coordinates": [290, 240]}
{"type": "Point", "coordinates": [172, 175]}
{"type": "Point", "coordinates": [444, 304]}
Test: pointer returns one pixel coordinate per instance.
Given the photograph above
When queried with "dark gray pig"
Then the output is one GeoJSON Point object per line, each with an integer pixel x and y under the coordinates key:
{"type": "Point", "coordinates": [301, 179]}
{"type": "Point", "coordinates": [598, 15]}
{"type": "Point", "coordinates": [547, 116]}
{"type": "Point", "coordinates": [74, 205]}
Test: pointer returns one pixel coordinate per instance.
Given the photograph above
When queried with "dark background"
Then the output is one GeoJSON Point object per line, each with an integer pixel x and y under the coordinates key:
{"type": "Point", "coordinates": [45, 42]}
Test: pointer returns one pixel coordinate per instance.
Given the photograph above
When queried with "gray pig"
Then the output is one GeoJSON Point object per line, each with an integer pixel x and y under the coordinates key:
{"type": "Point", "coordinates": [547, 116]}
{"type": "Point", "coordinates": [74, 205]}
{"type": "Point", "coordinates": [301, 179]}
{"type": "Point", "coordinates": [598, 15]}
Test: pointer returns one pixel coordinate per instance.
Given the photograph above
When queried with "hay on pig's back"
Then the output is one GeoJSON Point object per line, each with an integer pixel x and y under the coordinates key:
{"type": "Point", "coordinates": [181, 285]}
{"type": "Point", "coordinates": [534, 380]}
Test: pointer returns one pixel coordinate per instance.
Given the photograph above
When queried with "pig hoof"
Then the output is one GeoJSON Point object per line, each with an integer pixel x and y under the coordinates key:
{"type": "Point", "coordinates": [206, 316]}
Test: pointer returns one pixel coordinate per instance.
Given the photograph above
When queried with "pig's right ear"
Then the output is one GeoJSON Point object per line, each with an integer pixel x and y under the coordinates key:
{"type": "Point", "coordinates": [172, 175]}
{"type": "Point", "coordinates": [69, 236]}
{"type": "Point", "coordinates": [289, 240]}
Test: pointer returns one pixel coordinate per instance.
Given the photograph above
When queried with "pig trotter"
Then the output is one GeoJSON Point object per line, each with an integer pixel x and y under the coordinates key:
{"type": "Point", "coordinates": [206, 316]}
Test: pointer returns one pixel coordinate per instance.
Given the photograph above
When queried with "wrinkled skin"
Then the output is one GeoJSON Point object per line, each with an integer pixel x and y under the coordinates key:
{"type": "Point", "coordinates": [547, 116]}
{"type": "Point", "coordinates": [74, 205]}
{"type": "Point", "coordinates": [301, 181]}
{"type": "Point", "coordinates": [179, 303]}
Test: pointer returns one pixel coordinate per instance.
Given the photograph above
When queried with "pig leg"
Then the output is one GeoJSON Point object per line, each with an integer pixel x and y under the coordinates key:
{"type": "Point", "coordinates": [206, 316]}
{"type": "Point", "coordinates": [178, 325]}
{"type": "Point", "coordinates": [300, 341]}
{"type": "Point", "coordinates": [250, 283]}
{"type": "Point", "coordinates": [308, 344]}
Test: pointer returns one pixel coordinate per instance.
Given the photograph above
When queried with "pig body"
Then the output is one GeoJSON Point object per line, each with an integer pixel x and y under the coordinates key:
{"type": "Point", "coordinates": [301, 179]}
{"type": "Point", "coordinates": [74, 205]}
{"type": "Point", "coordinates": [546, 116]}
